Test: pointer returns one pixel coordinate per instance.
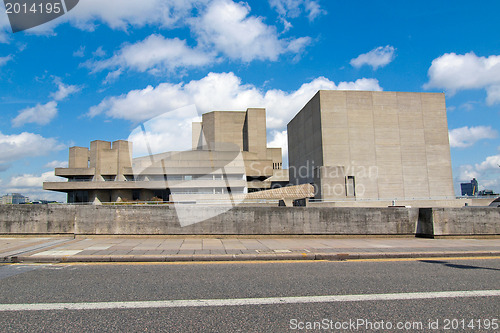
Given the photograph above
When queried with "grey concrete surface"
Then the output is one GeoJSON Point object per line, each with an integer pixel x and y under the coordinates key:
{"type": "Point", "coordinates": [161, 249]}
{"type": "Point", "coordinates": [219, 220]}
{"type": "Point", "coordinates": [378, 145]}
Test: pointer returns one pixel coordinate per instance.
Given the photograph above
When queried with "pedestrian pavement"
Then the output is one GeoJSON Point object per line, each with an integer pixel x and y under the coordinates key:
{"type": "Point", "coordinates": [230, 248]}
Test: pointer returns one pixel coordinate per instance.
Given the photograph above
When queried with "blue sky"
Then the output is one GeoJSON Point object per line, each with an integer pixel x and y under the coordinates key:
{"type": "Point", "coordinates": [106, 66]}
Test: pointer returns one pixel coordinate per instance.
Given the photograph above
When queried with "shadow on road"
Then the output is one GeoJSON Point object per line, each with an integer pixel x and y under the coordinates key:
{"type": "Point", "coordinates": [448, 264]}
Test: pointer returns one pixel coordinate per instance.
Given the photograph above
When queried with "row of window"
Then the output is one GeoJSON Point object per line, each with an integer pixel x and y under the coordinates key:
{"type": "Point", "coordinates": [192, 177]}
{"type": "Point", "coordinates": [216, 190]}
{"type": "Point", "coordinates": [277, 166]}
{"type": "Point", "coordinates": [110, 178]}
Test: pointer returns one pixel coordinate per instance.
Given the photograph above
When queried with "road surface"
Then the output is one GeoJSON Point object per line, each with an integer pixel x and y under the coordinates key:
{"type": "Point", "coordinates": [393, 295]}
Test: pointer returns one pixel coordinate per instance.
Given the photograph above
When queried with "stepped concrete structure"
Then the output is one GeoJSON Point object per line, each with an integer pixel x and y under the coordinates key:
{"type": "Point", "coordinates": [363, 145]}
{"type": "Point", "coordinates": [358, 148]}
{"type": "Point", "coordinates": [229, 157]}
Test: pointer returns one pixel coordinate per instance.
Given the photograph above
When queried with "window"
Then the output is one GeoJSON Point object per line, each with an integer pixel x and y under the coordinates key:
{"type": "Point", "coordinates": [78, 197]}
{"type": "Point", "coordinates": [350, 186]}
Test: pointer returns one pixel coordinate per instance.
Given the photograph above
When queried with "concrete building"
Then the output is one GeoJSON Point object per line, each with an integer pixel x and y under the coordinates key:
{"type": "Point", "coordinates": [14, 199]}
{"type": "Point", "coordinates": [469, 189]}
{"type": "Point", "coordinates": [229, 157]}
{"type": "Point", "coordinates": [360, 145]}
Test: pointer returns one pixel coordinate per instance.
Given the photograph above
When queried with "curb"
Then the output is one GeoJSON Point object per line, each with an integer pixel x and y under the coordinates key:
{"type": "Point", "coordinates": [246, 257]}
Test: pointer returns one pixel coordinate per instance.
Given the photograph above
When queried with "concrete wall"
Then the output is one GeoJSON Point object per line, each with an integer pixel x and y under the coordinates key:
{"type": "Point", "coordinates": [470, 221]}
{"type": "Point", "coordinates": [37, 219]}
{"type": "Point", "coordinates": [159, 220]}
{"type": "Point", "coordinates": [305, 146]}
{"type": "Point", "coordinates": [429, 203]}
{"type": "Point", "coordinates": [403, 136]}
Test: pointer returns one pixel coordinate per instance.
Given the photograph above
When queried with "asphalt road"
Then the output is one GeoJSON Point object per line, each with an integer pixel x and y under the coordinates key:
{"type": "Point", "coordinates": [267, 289]}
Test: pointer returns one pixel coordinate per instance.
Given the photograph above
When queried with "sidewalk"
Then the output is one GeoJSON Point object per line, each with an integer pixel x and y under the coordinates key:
{"type": "Point", "coordinates": [166, 248]}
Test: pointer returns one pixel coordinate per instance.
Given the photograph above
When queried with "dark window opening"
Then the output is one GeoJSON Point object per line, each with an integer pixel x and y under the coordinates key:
{"type": "Point", "coordinates": [350, 186]}
{"type": "Point", "coordinates": [78, 197]}
{"type": "Point", "coordinates": [136, 195]}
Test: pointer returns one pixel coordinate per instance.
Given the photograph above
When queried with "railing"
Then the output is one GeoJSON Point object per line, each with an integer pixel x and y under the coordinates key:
{"type": "Point", "coordinates": [194, 202]}
{"type": "Point", "coordinates": [356, 199]}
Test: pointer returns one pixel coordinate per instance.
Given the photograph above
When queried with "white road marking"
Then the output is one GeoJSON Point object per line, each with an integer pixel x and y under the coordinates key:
{"type": "Point", "coordinates": [245, 301]}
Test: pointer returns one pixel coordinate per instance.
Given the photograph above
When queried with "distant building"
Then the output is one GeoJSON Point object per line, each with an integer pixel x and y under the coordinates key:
{"type": "Point", "coordinates": [14, 199]}
{"type": "Point", "coordinates": [372, 145]}
{"type": "Point", "coordinates": [469, 189]}
{"type": "Point", "coordinates": [43, 202]}
{"type": "Point", "coordinates": [487, 193]}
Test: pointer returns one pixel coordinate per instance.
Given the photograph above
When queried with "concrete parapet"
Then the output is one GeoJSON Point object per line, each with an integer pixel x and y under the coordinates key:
{"type": "Point", "coordinates": [163, 220]}
{"type": "Point", "coordinates": [37, 219]}
{"type": "Point", "coordinates": [466, 221]}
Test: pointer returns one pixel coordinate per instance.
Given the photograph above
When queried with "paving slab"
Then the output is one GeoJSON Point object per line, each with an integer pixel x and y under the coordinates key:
{"type": "Point", "coordinates": [105, 249]}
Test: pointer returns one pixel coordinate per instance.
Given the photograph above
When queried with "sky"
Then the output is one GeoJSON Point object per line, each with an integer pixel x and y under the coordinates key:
{"type": "Point", "coordinates": [106, 67]}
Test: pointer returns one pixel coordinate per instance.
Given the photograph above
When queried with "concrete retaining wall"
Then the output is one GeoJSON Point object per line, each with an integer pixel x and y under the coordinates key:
{"type": "Point", "coordinates": [163, 220]}
{"type": "Point", "coordinates": [467, 221]}
{"type": "Point", "coordinates": [37, 219]}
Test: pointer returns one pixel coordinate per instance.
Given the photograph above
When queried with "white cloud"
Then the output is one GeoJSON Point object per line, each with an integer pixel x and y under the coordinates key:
{"type": "Point", "coordinates": [41, 114]}
{"type": "Point", "coordinates": [112, 76]}
{"type": "Point", "coordinates": [467, 172]}
{"type": "Point", "coordinates": [121, 14]}
{"type": "Point", "coordinates": [227, 27]}
{"type": "Point", "coordinates": [486, 172]}
{"type": "Point", "coordinates": [80, 53]}
{"type": "Point", "coordinates": [56, 164]}
{"type": "Point", "coordinates": [154, 52]}
{"type": "Point", "coordinates": [314, 10]}
{"type": "Point", "coordinates": [467, 136]}
{"type": "Point", "coordinates": [64, 90]}
{"type": "Point", "coordinates": [378, 57]}
{"type": "Point", "coordinates": [455, 72]}
{"type": "Point", "coordinates": [151, 136]}
{"type": "Point", "coordinates": [469, 106]}
{"type": "Point", "coordinates": [18, 146]}
{"type": "Point", "coordinates": [117, 14]}
{"type": "Point", "coordinates": [294, 8]}
{"type": "Point", "coordinates": [493, 94]}
{"type": "Point", "coordinates": [31, 186]}
{"type": "Point", "coordinates": [279, 139]}
{"type": "Point", "coordinates": [490, 184]}
{"type": "Point", "coordinates": [491, 164]}
{"type": "Point", "coordinates": [220, 91]}
{"type": "Point", "coordinates": [29, 180]}
{"type": "Point", "coordinates": [99, 52]}
{"type": "Point", "coordinates": [218, 26]}
{"type": "Point", "coordinates": [5, 60]}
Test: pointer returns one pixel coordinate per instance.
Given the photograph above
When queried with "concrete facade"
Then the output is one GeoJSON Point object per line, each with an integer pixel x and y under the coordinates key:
{"type": "Point", "coordinates": [372, 145]}
{"type": "Point", "coordinates": [229, 156]}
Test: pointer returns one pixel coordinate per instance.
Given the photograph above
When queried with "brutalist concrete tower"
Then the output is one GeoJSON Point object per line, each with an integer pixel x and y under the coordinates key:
{"type": "Point", "coordinates": [372, 145]}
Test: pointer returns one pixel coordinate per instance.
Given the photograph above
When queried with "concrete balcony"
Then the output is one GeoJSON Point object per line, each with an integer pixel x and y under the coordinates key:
{"type": "Point", "coordinates": [74, 172]}
{"type": "Point", "coordinates": [137, 185]}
